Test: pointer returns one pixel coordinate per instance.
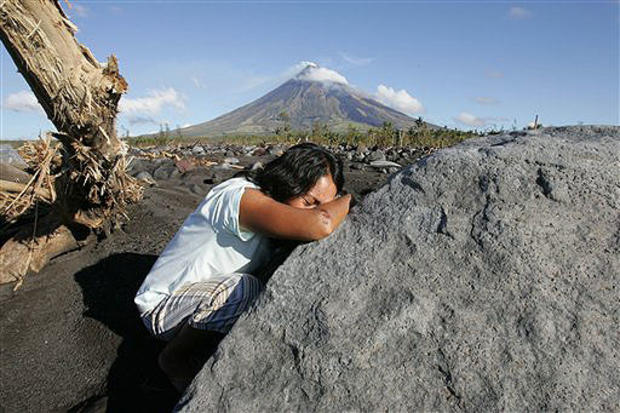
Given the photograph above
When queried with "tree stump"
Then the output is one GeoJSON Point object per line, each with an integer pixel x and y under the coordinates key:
{"type": "Point", "coordinates": [80, 96]}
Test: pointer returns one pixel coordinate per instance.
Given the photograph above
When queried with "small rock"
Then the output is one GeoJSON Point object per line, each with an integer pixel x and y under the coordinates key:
{"type": "Point", "coordinates": [184, 165]}
{"type": "Point", "coordinates": [376, 155]}
{"type": "Point", "coordinates": [198, 150]}
{"type": "Point", "coordinates": [359, 157]}
{"type": "Point", "coordinates": [10, 156]}
{"type": "Point", "coordinates": [175, 173]}
{"type": "Point", "coordinates": [197, 189]}
{"type": "Point", "coordinates": [11, 173]}
{"type": "Point", "coordinates": [256, 165]}
{"type": "Point", "coordinates": [276, 150]}
{"type": "Point", "coordinates": [222, 167]}
{"type": "Point", "coordinates": [146, 177]}
{"type": "Point", "coordinates": [164, 172]}
{"type": "Point", "coordinates": [259, 152]}
{"type": "Point", "coordinates": [231, 161]}
{"type": "Point", "coordinates": [137, 165]}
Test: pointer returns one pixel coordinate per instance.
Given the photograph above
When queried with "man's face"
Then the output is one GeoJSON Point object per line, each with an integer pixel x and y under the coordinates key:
{"type": "Point", "coordinates": [322, 192]}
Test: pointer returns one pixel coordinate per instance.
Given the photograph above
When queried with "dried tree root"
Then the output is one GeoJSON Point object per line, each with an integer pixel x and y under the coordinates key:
{"type": "Point", "coordinates": [25, 251]}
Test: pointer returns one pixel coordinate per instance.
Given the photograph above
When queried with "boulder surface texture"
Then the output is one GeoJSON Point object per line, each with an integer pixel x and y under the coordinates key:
{"type": "Point", "coordinates": [483, 277]}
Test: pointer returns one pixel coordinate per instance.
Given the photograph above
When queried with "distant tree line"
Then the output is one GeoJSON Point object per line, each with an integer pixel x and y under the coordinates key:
{"type": "Point", "coordinates": [420, 134]}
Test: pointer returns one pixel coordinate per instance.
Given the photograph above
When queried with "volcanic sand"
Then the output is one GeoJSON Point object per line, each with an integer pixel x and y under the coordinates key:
{"type": "Point", "coordinates": [71, 338]}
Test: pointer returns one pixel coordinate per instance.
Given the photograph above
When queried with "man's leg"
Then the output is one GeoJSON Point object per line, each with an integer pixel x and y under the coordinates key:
{"type": "Point", "coordinates": [225, 299]}
{"type": "Point", "coordinates": [185, 355]}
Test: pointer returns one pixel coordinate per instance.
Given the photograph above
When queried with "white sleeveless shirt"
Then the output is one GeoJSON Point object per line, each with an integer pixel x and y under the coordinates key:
{"type": "Point", "coordinates": [210, 242]}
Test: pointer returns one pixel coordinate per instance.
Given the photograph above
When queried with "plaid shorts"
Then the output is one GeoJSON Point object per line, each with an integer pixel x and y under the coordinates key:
{"type": "Point", "coordinates": [212, 305]}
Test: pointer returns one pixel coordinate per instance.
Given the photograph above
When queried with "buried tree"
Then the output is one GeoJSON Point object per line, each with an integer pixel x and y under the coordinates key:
{"type": "Point", "coordinates": [80, 96]}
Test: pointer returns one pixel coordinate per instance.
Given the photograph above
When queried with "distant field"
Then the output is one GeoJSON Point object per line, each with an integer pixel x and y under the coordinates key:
{"type": "Point", "coordinates": [14, 144]}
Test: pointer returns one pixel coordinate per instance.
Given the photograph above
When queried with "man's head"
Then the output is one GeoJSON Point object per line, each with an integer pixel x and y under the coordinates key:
{"type": "Point", "coordinates": [305, 176]}
{"type": "Point", "coordinates": [323, 191]}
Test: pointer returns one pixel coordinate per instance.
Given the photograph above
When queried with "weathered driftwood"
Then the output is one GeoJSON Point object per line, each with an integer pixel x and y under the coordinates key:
{"type": "Point", "coordinates": [80, 97]}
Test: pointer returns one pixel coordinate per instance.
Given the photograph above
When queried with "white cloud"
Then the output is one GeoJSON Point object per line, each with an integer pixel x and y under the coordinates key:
{"type": "Point", "coordinates": [355, 60]}
{"type": "Point", "coordinates": [486, 100]}
{"type": "Point", "coordinates": [400, 100]}
{"type": "Point", "coordinates": [152, 104]}
{"type": "Point", "coordinates": [315, 73]}
{"type": "Point", "coordinates": [519, 13]}
{"type": "Point", "coordinates": [470, 120]}
{"type": "Point", "coordinates": [22, 101]}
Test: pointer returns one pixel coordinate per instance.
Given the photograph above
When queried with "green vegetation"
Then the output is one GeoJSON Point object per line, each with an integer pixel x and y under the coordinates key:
{"type": "Point", "coordinates": [418, 136]}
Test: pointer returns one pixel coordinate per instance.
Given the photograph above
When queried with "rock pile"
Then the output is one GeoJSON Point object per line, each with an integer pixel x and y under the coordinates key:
{"type": "Point", "coordinates": [483, 277]}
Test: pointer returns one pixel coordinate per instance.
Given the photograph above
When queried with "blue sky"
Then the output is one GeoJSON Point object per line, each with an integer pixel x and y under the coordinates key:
{"type": "Point", "coordinates": [466, 64]}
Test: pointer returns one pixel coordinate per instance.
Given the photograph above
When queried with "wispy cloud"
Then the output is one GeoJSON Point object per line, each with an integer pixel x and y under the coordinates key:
{"type": "Point", "coordinates": [22, 101]}
{"type": "Point", "coordinates": [486, 100]}
{"type": "Point", "coordinates": [198, 82]}
{"type": "Point", "coordinates": [400, 100]}
{"type": "Point", "coordinates": [495, 74]}
{"type": "Point", "coordinates": [471, 120]}
{"type": "Point", "coordinates": [141, 120]}
{"type": "Point", "coordinates": [519, 13]}
{"type": "Point", "coordinates": [144, 110]}
{"type": "Point", "coordinates": [356, 60]}
{"type": "Point", "coordinates": [80, 10]}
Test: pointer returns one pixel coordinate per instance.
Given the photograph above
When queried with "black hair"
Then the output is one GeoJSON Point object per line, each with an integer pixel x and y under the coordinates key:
{"type": "Point", "coordinates": [296, 171]}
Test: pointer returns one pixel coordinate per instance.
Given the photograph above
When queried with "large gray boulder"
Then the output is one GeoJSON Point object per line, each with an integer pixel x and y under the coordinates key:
{"type": "Point", "coordinates": [483, 277]}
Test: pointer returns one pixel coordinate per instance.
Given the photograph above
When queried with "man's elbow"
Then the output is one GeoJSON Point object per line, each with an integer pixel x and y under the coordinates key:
{"type": "Point", "coordinates": [324, 226]}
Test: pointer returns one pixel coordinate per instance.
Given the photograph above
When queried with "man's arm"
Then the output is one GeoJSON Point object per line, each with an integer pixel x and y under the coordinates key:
{"type": "Point", "coordinates": [260, 213]}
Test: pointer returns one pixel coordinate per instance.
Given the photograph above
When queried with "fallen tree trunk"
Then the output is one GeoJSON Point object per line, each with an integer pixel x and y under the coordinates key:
{"type": "Point", "coordinates": [80, 96]}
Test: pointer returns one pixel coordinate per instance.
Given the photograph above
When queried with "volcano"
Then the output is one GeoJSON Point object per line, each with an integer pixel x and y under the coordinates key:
{"type": "Point", "coordinates": [315, 94]}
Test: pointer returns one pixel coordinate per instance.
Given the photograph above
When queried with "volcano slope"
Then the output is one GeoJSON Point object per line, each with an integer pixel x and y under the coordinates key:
{"type": "Point", "coordinates": [483, 277]}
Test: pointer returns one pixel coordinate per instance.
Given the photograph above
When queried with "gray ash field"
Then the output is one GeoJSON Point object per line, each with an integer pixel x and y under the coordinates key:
{"type": "Point", "coordinates": [71, 336]}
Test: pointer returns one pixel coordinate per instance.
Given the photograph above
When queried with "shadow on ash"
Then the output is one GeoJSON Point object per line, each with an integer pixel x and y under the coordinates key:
{"type": "Point", "coordinates": [483, 277]}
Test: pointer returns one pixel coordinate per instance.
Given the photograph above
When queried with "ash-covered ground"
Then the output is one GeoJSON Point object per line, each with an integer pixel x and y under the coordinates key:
{"type": "Point", "coordinates": [71, 337]}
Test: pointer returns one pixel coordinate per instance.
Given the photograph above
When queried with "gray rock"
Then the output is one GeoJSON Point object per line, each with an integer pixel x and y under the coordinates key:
{"type": "Point", "coordinates": [138, 165]}
{"type": "Point", "coordinates": [256, 165]}
{"type": "Point", "coordinates": [198, 190]}
{"type": "Point", "coordinates": [222, 167]}
{"type": "Point", "coordinates": [11, 173]}
{"type": "Point", "coordinates": [146, 177]}
{"type": "Point", "coordinates": [359, 157]}
{"type": "Point", "coordinates": [198, 150]}
{"type": "Point", "coordinates": [464, 283]}
{"type": "Point", "coordinates": [9, 156]}
{"type": "Point", "coordinates": [276, 150]}
{"type": "Point", "coordinates": [231, 161]}
{"type": "Point", "coordinates": [164, 171]}
{"type": "Point", "coordinates": [377, 155]}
